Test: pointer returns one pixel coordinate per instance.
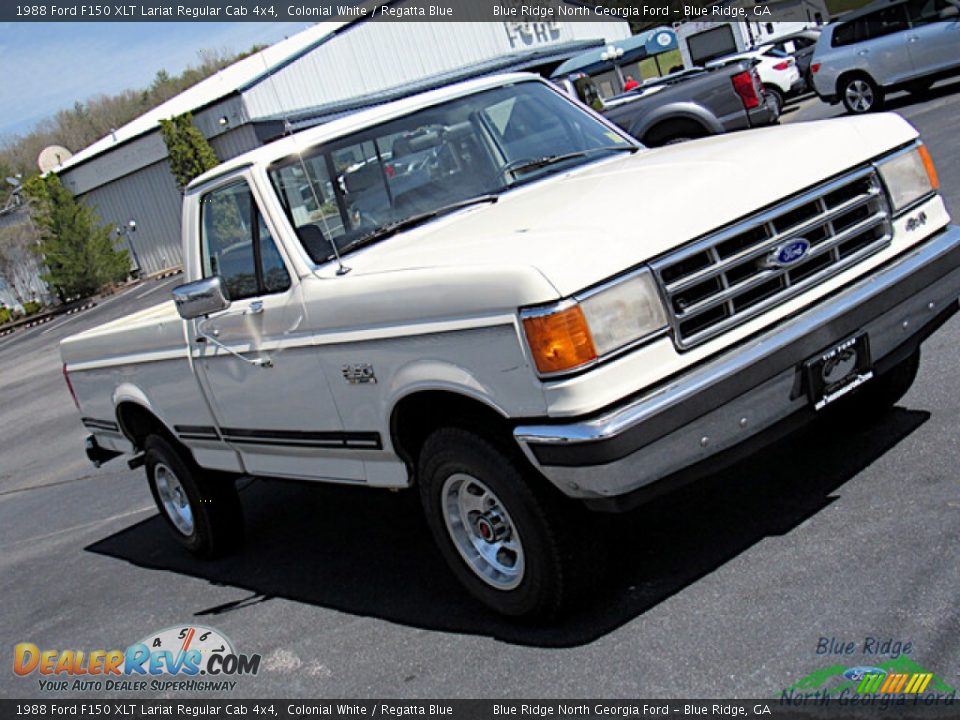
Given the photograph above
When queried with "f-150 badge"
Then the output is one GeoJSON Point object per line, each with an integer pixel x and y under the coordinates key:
{"type": "Point", "coordinates": [359, 373]}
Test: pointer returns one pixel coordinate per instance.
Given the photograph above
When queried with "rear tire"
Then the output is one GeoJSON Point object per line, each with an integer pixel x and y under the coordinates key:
{"type": "Point", "coordinates": [201, 508]}
{"type": "Point", "coordinates": [777, 96]}
{"type": "Point", "coordinates": [513, 541]}
{"type": "Point", "coordinates": [860, 94]}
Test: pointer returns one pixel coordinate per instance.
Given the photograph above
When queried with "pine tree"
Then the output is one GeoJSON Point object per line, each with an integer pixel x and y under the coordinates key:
{"type": "Point", "coordinates": [188, 151]}
{"type": "Point", "coordinates": [77, 250]}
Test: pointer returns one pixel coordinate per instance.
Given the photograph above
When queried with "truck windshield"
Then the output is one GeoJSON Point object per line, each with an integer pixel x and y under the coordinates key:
{"type": "Point", "coordinates": [360, 186]}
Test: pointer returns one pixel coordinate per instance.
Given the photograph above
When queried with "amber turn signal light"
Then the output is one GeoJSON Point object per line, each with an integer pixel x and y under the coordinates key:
{"type": "Point", "coordinates": [929, 167]}
{"type": "Point", "coordinates": [560, 341]}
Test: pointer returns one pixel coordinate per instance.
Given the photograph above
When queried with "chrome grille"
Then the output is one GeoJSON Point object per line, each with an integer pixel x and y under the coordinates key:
{"type": "Point", "coordinates": [724, 279]}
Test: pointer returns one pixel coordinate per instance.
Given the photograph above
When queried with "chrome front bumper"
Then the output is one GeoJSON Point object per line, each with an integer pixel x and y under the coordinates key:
{"type": "Point", "coordinates": [735, 397]}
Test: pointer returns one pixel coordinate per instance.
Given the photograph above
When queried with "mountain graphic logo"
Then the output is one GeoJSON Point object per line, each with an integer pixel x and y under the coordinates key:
{"type": "Point", "coordinates": [901, 676]}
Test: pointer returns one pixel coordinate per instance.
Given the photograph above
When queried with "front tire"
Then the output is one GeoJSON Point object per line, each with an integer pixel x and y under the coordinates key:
{"type": "Point", "coordinates": [861, 94]}
{"type": "Point", "coordinates": [201, 508]}
{"type": "Point", "coordinates": [513, 541]}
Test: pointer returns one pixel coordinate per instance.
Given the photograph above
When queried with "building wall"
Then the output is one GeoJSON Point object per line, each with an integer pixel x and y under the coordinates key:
{"type": "Point", "coordinates": [371, 57]}
{"type": "Point", "coordinates": [236, 142]}
{"type": "Point", "coordinates": [151, 198]}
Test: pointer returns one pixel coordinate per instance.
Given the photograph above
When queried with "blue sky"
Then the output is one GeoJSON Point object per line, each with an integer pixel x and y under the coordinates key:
{"type": "Point", "coordinates": [45, 67]}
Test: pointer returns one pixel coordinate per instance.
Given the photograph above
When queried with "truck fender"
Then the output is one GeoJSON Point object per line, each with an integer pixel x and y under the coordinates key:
{"type": "Point", "coordinates": [674, 111]}
{"type": "Point", "coordinates": [130, 393]}
{"type": "Point", "coordinates": [427, 375]}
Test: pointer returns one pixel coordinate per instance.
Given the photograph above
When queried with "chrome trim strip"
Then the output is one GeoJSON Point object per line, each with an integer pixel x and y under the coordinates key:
{"type": "Point", "coordinates": [757, 251]}
{"type": "Point", "coordinates": [761, 218]}
{"type": "Point", "coordinates": [805, 284]}
{"type": "Point", "coordinates": [726, 294]}
{"type": "Point", "coordinates": [682, 389]}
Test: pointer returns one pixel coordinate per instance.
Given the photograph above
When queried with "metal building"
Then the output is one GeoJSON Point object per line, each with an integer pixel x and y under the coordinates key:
{"type": "Point", "coordinates": [326, 70]}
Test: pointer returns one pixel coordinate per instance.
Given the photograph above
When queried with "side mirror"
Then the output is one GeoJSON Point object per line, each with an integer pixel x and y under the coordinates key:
{"type": "Point", "coordinates": [200, 297]}
{"type": "Point", "coordinates": [950, 12]}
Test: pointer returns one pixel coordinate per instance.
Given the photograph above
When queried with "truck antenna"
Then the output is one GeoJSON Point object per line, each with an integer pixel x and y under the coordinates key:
{"type": "Point", "coordinates": [288, 132]}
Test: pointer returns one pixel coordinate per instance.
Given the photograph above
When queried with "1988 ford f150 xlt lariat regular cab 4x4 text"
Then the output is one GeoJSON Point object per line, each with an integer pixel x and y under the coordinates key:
{"type": "Point", "coordinates": [493, 294]}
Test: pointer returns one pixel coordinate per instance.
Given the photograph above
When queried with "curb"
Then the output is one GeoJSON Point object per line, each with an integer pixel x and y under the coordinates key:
{"type": "Point", "coordinates": [164, 274]}
{"type": "Point", "coordinates": [24, 324]}
{"type": "Point", "coordinates": [85, 306]}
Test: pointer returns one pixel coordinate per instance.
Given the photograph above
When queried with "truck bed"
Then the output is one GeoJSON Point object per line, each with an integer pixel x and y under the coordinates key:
{"type": "Point", "coordinates": [127, 339]}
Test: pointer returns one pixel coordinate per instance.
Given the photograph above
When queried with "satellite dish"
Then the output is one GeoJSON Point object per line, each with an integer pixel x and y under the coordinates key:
{"type": "Point", "coordinates": [52, 157]}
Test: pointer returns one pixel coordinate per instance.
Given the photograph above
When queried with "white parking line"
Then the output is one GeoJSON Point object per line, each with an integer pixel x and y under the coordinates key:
{"type": "Point", "coordinates": [55, 325]}
{"type": "Point", "coordinates": [84, 526]}
{"type": "Point", "coordinates": [158, 286]}
{"type": "Point", "coordinates": [100, 304]}
{"type": "Point", "coordinates": [118, 295]}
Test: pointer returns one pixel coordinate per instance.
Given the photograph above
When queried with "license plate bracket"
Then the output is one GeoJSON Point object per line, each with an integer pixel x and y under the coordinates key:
{"type": "Point", "coordinates": [837, 370]}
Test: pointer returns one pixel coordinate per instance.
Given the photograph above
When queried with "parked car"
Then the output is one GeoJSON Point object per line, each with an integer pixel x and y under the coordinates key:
{"type": "Point", "coordinates": [557, 320]}
{"type": "Point", "coordinates": [886, 46]}
{"type": "Point", "coordinates": [778, 72]}
{"type": "Point", "coordinates": [683, 106]}
{"type": "Point", "coordinates": [800, 46]}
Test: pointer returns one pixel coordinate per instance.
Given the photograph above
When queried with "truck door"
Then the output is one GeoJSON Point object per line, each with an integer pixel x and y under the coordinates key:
{"type": "Point", "coordinates": [254, 360]}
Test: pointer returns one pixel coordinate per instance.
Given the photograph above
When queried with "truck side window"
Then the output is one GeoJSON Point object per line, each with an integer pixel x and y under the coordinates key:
{"type": "Point", "coordinates": [236, 244]}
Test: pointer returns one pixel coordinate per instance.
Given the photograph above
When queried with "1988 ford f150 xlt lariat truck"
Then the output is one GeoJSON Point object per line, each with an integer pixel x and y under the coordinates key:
{"type": "Point", "coordinates": [493, 294]}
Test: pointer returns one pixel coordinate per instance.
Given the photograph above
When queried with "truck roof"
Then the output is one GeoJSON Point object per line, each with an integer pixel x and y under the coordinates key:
{"type": "Point", "coordinates": [300, 141]}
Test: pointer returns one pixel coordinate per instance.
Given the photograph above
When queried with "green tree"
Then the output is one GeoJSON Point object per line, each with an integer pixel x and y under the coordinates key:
{"type": "Point", "coordinates": [77, 250]}
{"type": "Point", "coordinates": [188, 151]}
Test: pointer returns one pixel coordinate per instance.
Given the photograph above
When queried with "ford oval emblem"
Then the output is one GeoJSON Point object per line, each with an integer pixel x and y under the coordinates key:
{"type": "Point", "coordinates": [857, 673]}
{"type": "Point", "coordinates": [788, 254]}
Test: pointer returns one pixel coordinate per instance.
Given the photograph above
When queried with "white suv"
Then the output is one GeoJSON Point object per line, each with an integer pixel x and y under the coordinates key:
{"type": "Point", "coordinates": [778, 71]}
{"type": "Point", "coordinates": [886, 46]}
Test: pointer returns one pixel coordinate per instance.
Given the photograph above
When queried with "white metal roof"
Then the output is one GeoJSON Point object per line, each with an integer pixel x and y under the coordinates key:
{"type": "Point", "coordinates": [223, 83]}
{"type": "Point", "coordinates": [302, 141]}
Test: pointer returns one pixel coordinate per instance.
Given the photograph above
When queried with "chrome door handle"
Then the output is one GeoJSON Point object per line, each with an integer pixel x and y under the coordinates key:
{"type": "Point", "coordinates": [863, 53]}
{"type": "Point", "coordinates": [255, 308]}
{"type": "Point", "coordinates": [913, 38]}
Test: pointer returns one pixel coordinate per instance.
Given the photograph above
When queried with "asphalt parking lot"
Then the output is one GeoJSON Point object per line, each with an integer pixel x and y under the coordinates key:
{"type": "Point", "coordinates": [724, 589]}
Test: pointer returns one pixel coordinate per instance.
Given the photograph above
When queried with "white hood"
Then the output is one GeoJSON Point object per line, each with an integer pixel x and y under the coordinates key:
{"type": "Point", "coordinates": [583, 226]}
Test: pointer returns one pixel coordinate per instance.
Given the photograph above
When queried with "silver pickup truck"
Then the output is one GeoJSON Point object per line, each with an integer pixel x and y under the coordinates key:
{"type": "Point", "coordinates": [495, 295]}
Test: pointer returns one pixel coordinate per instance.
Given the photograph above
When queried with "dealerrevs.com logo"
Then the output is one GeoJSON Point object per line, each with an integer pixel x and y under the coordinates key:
{"type": "Point", "coordinates": [186, 658]}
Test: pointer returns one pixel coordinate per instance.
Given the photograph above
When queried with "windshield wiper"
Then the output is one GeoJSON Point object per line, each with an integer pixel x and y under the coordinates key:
{"type": "Point", "coordinates": [533, 163]}
{"type": "Point", "coordinates": [414, 220]}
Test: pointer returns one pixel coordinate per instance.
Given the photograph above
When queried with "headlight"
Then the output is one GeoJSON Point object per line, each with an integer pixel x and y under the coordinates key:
{"type": "Point", "coordinates": [909, 176]}
{"type": "Point", "coordinates": [582, 330]}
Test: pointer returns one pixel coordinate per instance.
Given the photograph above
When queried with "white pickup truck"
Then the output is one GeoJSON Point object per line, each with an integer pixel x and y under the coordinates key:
{"type": "Point", "coordinates": [493, 294]}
